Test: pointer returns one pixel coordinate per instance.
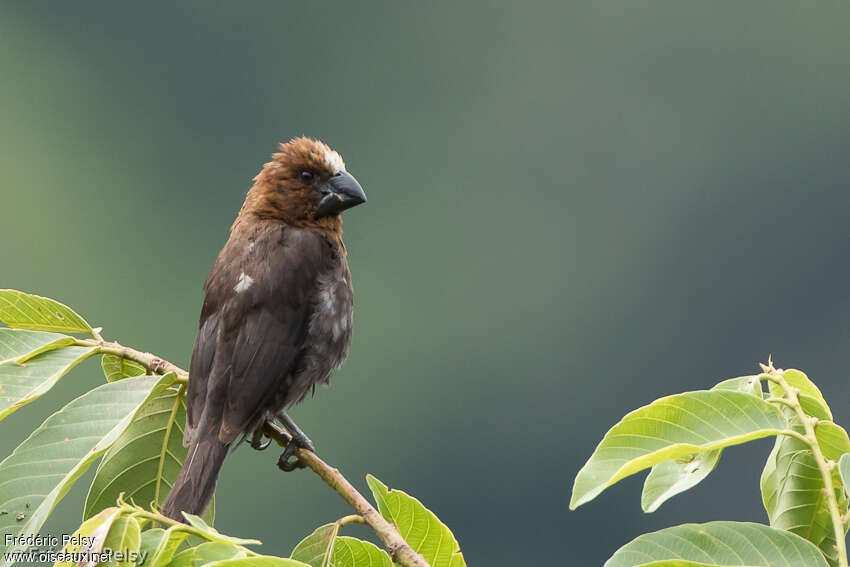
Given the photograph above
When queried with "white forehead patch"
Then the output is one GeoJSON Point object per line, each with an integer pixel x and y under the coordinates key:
{"type": "Point", "coordinates": [334, 161]}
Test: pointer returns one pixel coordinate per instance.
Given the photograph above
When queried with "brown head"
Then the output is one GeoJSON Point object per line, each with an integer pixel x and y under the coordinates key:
{"type": "Point", "coordinates": [305, 185]}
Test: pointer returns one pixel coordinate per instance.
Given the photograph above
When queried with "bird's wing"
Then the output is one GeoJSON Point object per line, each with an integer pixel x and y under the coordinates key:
{"type": "Point", "coordinates": [256, 315]}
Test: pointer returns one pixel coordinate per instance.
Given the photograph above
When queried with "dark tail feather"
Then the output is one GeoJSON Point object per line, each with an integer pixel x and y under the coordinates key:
{"type": "Point", "coordinates": [194, 487]}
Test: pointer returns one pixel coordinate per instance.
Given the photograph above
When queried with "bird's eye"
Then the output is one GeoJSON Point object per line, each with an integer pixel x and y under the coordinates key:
{"type": "Point", "coordinates": [307, 175]}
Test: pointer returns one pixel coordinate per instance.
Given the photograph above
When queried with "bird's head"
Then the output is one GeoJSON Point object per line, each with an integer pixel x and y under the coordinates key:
{"type": "Point", "coordinates": [304, 185]}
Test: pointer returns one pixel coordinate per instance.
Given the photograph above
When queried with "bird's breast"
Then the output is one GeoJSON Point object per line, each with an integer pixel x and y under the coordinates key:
{"type": "Point", "coordinates": [330, 325]}
{"type": "Point", "coordinates": [328, 334]}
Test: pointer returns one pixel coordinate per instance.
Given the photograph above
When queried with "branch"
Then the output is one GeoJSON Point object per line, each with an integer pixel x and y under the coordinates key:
{"type": "Point", "coordinates": [150, 361]}
{"type": "Point", "coordinates": [792, 400]}
{"type": "Point", "coordinates": [398, 549]}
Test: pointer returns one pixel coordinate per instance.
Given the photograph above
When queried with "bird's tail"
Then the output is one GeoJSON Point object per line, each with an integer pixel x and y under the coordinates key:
{"type": "Point", "coordinates": [194, 487]}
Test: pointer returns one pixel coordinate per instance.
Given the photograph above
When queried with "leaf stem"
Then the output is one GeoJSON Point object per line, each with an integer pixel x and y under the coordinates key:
{"type": "Point", "coordinates": [796, 435]}
{"type": "Point", "coordinates": [352, 519]}
{"type": "Point", "coordinates": [783, 401]}
{"type": "Point", "coordinates": [792, 400]}
{"type": "Point", "coordinates": [398, 549]}
{"type": "Point", "coordinates": [174, 525]}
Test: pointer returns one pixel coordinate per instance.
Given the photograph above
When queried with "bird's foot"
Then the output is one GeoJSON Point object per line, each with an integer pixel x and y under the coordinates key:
{"type": "Point", "coordinates": [289, 460]}
{"type": "Point", "coordinates": [257, 441]}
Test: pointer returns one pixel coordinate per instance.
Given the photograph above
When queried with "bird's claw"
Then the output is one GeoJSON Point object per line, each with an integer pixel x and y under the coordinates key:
{"type": "Point", "coordinates": [257, 441]}
{"type": "Point", "coordinates": [289, 460]}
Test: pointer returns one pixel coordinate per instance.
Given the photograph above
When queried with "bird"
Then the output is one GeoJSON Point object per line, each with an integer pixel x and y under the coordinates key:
{"type": "Point", "coordinates": [276, 318]}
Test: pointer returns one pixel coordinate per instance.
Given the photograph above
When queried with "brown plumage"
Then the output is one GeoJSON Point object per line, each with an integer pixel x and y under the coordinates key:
{"type": "Point", "coordinates": [277, 311]}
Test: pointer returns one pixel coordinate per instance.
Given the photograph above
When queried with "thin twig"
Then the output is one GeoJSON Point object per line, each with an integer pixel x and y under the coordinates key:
{"type": "Point", "coordinates": [150, 361]}
{"type": "Point", "coordinates": [792, 400]}
{"type": "Point", "coordinates": [398, 549]}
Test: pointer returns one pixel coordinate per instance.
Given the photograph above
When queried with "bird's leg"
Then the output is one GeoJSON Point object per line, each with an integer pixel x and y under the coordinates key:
{"type": "Point", "coordinates": [298, 436]}
{"type": "Point", "coordinates": [288, 460]}
{"type": "Point", "coordinates": [257, 440]}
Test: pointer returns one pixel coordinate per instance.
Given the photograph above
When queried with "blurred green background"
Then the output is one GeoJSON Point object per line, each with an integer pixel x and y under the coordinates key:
{"type": "Point", "coordinates": [574, 208]}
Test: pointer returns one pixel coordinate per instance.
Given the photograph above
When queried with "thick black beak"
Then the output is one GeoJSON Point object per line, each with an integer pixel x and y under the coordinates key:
{"type": "Point", "coordinates": [340, 192]}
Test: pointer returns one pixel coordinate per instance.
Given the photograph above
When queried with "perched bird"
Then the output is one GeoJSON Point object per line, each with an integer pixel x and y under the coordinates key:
{"type": "Point", "coordinates": [277, 313]}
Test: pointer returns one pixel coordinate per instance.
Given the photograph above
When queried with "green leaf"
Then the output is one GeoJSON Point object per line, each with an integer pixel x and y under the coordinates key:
{"type": "Point", "coordinates": [22, 383]}
{"type": "Point", "coordinates": [159, 545]}
{"type": "Point", "coordinates": [21, 310]}
{"type": "Point", "coordinates": [213, 534]}
{"type": "Point", "coordinates": [418, 525]}
{"type": "Point", "coordinates": [792, 492]}
{"type": "Point", "coordinates": [676, 563]}
{"type": "Point", "coordinates": [669, 478]}
{"type": "Point", "coordinates": [670, 428]}
{"type": "Point", "coordinates": [43, 468]}
{"type": "Point", "coordinates": [832, 439]}
{"type": "Point", "coordinates": [145, 460]}
{"type": "Point", "coordinates": [258, 561]}
{"type": "Point", "coordinates": [316, 548]}
{"type": "Point", "coordinates": [769, 482]}
{"type": "Point", "coordinates": [118, 367]}
{"type": "Point", "coordinates": [18, 345]}
{"type": "Point", "coordinates": [352, 552]}
{"type": "Point", "coordinates": [728, 544]}
{"type": "Point", "coordinates": [122, 543]}
{"type": "Point", "coordinates": [748, 384]}
{"type": "Point", "coordinates": [94, 530]}
{"type": "Point", "coordinates": [207, 553]}
{"type": "Point", "coordinates": [811, 399]}
{"type": "Point", "coordinates": [675, 476]}
{"type": "Point", "coordinates": [844, 471]}
{"type": "Point", "coordinates": [323, 548]}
